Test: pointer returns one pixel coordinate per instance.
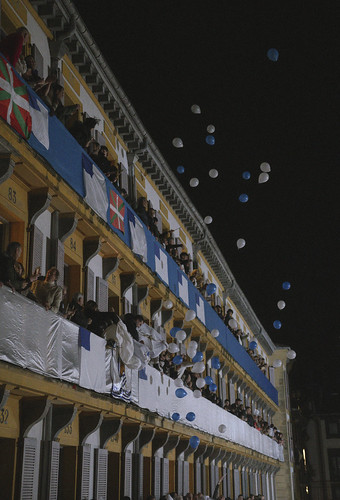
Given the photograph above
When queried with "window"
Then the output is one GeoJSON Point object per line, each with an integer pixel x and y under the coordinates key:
{"type": "Point", "coordinates": [333, 428]}
{"type": "Point", "coordinates": [334, 464]}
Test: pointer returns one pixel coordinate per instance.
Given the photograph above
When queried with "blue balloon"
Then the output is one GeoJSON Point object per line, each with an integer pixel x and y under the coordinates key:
{"type": "Point", "coordinates": [246, 175]}
{"type": "Point", "coordinates": [180, 393]}
{"type": "Point", "coordinates": [180, 169]}
{"type": "Point", "coordinates": [177, 360]}
{"type": "Point", "coordinates": [277, 324]}
{"type": "Point", "coordinates": [190, 416]}
{"type": "Point", "coordinates": [252, 345]}
{"type": "Point", "coordinates": [243, 198]}
{"type": "Point", "coordinates": [211, 289]}
{"type": "Point", "coordinates": [198, 357]}
{"type": "Point", "coordinates": [212, 387]}
{"type": "Point", "coordinates": [210, 139]}
{"type": "Point", "coordinates": [273, 55]}
{"type": "Point", "coordinates": [175, 417]}
{"type": "Point", "coordinates": [194, 441]}
{"type": "Point", "coordinates": [208, 380]}
{"type": "Point", "coordinates": [174, 330]}
{"type": "Point", "coordinates": [286, 285]}
{"type": "Point", "coordinates": [215, 363]}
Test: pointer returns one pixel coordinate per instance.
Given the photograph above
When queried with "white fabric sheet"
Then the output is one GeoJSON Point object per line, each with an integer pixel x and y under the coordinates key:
{"type": "Point", "coordinates": [92, 365]}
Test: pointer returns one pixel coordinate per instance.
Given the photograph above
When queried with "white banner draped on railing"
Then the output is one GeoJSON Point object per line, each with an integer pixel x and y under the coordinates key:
{"type": "Point", "coordinates": [45, 343]}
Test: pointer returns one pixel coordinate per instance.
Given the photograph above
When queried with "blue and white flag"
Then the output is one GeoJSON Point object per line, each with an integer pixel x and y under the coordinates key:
{"type": "Point", "coordinates": [39, 115]}
{"type": "Point", "coordinates": [92, 361]}
{"type": "Point", "coordinates": [95, 188]}
{"type": "Point", "coordinates": [161, 263]}
{"type": "Point", "coordinates": [138, 238]}
{"type": "Point", "coordinates": [200, 308]}
{"type": "Point", "coordinates": [183, 288]}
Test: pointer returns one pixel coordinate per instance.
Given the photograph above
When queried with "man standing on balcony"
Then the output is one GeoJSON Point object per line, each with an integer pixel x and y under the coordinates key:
{"type": "Point", "coordinates": [11, 45]}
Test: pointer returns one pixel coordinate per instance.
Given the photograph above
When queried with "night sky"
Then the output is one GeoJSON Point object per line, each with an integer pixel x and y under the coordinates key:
{"type": "Point", "coordinates": [170, 54]}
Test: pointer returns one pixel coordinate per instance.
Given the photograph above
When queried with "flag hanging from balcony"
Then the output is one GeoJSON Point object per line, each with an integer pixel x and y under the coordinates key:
{"type": "Point", "coordinates": [117, 211]}
{"type": "Point", "coordinates": [39, 115]}
{"type": "Point", "coordinates": [161, 263]}
{"type": "Point", "coordinates": [183, 288]}
{"type": "Point", "coordinates": [138, 238]}
{"type": "Point", "coordinates": [200, 308]}
{"type": "Point", "coordinates": [95, 187]}
{"type": "Point", "coordinates": [14, 105]}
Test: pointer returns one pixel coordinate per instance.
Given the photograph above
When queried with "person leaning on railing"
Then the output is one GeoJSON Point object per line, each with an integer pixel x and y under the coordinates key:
{"type": "Point", "coordinates": [48, 293]}
{"type": "Point", "coordinates": [11, 46]}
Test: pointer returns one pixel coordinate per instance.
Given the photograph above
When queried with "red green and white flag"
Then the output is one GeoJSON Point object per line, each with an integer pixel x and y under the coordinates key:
{"type": "Point", "coordinates": [117, 211]}
{"type": "Point", "coordinates": [14, 104]}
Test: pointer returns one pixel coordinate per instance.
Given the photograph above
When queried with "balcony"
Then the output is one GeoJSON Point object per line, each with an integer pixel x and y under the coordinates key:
{"type": "Point", "coordinates": [45, 343]}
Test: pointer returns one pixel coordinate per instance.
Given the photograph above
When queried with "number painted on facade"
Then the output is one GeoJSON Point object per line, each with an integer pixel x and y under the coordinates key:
{"type": "Point", "coordinates": [68, 429]}
{"type": "Point", "coordinates": [12, 195]}
{"type": "Point", "coordinates": [73, 244]}
{"type": "Point", "coordinates": [4, 414]}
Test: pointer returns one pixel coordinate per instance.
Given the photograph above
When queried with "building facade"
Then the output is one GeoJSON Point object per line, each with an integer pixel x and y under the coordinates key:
{"type": "Point", "coordinates": [76, 420]}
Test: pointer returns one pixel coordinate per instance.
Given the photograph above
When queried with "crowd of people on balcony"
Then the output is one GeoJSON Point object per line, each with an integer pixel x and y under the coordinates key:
{"type": "Point", "coordinates": [199, 496]}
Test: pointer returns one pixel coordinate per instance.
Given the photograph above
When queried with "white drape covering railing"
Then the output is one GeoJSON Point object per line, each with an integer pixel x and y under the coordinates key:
{"type": "Point", "coordinates": [45, 343]}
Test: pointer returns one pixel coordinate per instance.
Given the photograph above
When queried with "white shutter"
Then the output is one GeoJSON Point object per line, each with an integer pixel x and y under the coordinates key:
{"type": "Point", "coordinates": [157, 477]}
{"type": "Point", "coordinates": [89, 284]}
{"type": "Point", "coordinates": [198, 476]}
{"type": "Point", "coordinates": [30, 470]}
{"type": "Point", "coordinates": [185, 477]}
{"type": "Point", "coordinates": [180, 477]}
{"type": "Point", "coordinates": [102, 297]}
{"type": "Point", "coordinates": [126, 306]}
{"type": "Point", "coordinates": [128, 474]}
{"type": "Point", "coordinates": [37, 249]}
{"type": "Point", "coordinates": [54, 470]}
{"type": "Point", "coordinates": [236, 482]}
{"type": "Point", "coordinates": [60, 261]}
{"type": "Point", "coordinates": [138, 467]}
{"type": "Point", "coordinates": [100, 474]}
{"type": "Point", "coordinates": [85, 472]}
{"type": "Point", "coordinates": [165, 476]}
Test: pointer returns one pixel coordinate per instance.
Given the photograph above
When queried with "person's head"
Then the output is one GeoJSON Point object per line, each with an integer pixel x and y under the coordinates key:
{"type": "Point", "coordinates": [95, 147]}
{"type": "Point", "coordinates": [52, 275]}
{"type": "Point", "coordinates": [226, 402]}
{"type": "Point", "coordinates": [238, 402]}
{"type": "Point", "coordinates": [189, 496]}
{"type": "Point", "coordinates": [30, 61]}
{"type": "Point", "coordinates": [150, 497]}
{"type": "Point", "coordinates": [19, 268]}
{"type": "Point", "coordinates": [218, 309]}
{"type": "Point", "coordinates": [91, 305]}
{"type": "Point", "coordinates": [240, 497]}
{"type": "Point", "coordinates": [184, 256]}
{"type": "Point", "coordinates": [78, 298]}
{"type": "Point", "coordinates": [248, 410]}
{"type": "Point", "coordinates": [142, 203]}
{"type": "Point", "coordinates": [14, 250]}
{"type": "Point", "coordinates": [221, 497]}
{"type": "Point", "coordinates": [24, 33]}
{"type": "Point", "coordinates": [230, 312]}
{"type": "Point", "coordinates": [104, 151]}
{"type": "Point", "coordinates": [124, 193]}
{"type": "Point", "coordinates": [139, 320]}
{"type": "Point", "coordinates": [64, 291]}
{"type": "Point", "coordinates": [58, 92]}
{"type": "Point", "coordinates": [90, 123]}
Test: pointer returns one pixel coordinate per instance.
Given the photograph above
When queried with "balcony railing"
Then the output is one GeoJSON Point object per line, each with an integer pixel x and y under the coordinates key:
{"type": "Point", "coordinates": [67, 161]}
{"type": "Point", "coordinates": [45, 343]}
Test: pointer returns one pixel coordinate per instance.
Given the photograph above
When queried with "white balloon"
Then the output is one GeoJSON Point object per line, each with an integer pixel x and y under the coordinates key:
{"type": "Point", "coordinates": [193, 344]}
{"type": "Point", "coordinates": [191, 351]}
{"type": "Point", "coordinates": [213, 173]}
{"type": "Point", "coordinates": [168, 304]}
{"type": "Point", "coordinates": [179, 382]}
{"type": "Point", "coordinates": [198, 367]}
{"type": "Point", "coordinates": [208, 219]}
{"type": "Point", "coordinates": [264, 177]}
{"type": "Point", "coordinates": [277, 363]}
{"type": "Point", "coordinates": [241, 243]}
{"type": "Point", "coordinates": [265, 167]}
{"type": "Point", "coordinates": [222, 428]}
{"type": "Point", "coordinates": [196, 109]}
{"type": "Point", "coordinates": [210, 129]}
{"type": "Point", "coordinates": [281, 304]}
{"type": "Point", "coordinates": [215, 332]}
{"type": "Point", "coordinates": [291, 354]}
{"type": "Point", "coordinates": [194, 182]}
{"type": "Point", "coordinates": [173, 348]}
{"type": "Point", "coordinates": [181, 335]}
{"type": "Point", "coordinates": [200, 383]}
{"type": "Point", "coordinates": [232, 323]}
{"type": "Point", "coordinates": [177, 142]}
{"type": "Point", "coordinates": [190, 315]}
{"type": "Point", "coordinates": [197, 394]}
